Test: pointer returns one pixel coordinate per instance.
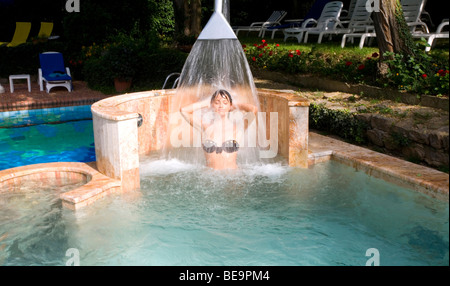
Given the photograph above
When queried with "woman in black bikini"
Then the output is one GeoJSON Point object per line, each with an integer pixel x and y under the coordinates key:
{"type": "Point", "coordinates": [219, 131]}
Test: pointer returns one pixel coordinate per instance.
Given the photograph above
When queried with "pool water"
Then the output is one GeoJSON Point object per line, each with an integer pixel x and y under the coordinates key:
{"type": "Point", "coordinates": [71, 141]}
{"type": "Point", "coordinates": [269, 214]}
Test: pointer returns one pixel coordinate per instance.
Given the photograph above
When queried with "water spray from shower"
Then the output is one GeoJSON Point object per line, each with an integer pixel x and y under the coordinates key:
{"type": "Point", "coordinates": [216, 61]}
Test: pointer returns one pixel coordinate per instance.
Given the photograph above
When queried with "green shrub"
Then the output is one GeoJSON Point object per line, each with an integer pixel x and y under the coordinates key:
{"type": "Point", "coordinates": [337, 122]}
{"type": "Point", "coordinates": [421, 73]}
{"type": "Point", "coordinates": [97, 75]}
{"type": "Point", "coordinates": [130, 56]}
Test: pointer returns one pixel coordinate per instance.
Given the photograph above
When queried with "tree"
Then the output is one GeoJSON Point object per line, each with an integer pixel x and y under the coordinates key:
{"type": "Point", "coordinates": [188, 17]}
{"type": "Point", "coordinates": [392, 32]}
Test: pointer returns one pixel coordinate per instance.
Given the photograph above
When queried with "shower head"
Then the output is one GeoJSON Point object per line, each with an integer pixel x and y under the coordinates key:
{"type": "Point", "coordinates": [217, 27]}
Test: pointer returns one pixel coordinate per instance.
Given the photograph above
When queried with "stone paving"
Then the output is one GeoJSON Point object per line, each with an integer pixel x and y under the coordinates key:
{"type": "Point", "coordinates": [21, 99]}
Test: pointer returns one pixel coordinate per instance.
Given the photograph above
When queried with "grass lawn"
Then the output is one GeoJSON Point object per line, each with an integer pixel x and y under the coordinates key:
{"type": "Point", "coordinates": [332, 47]}
{"type": "Point", "coordinates": [327, 47]}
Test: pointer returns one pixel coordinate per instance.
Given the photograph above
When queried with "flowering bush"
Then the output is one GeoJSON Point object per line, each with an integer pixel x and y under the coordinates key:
{"type": "Point", "coordinates": [275, 57]}
{"type": "Point", "coordinates": [417, 74]}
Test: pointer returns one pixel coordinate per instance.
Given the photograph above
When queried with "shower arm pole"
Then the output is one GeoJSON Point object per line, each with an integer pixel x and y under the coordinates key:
{"type": "Point", "coordinates": [218, 6]}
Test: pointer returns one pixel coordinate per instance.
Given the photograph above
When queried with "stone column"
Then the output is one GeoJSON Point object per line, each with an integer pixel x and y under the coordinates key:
{"type": "Point", "coordinates": [298, 133]}
{"type": "Point", "coordinates": [117, 147]}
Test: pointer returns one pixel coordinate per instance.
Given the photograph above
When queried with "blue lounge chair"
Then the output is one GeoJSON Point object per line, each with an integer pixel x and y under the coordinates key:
{"type": "Point", "coordinates": [53, 72]}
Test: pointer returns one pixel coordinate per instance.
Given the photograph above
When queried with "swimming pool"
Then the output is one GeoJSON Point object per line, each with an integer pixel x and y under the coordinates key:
{"type": "Point", "coordinates": [269, 214]}
{"type": "Point", "coordinates": [62, 134]}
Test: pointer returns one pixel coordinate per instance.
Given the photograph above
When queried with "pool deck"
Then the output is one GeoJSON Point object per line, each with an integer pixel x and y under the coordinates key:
{"type": "Point", "coordinates": [21, 99]}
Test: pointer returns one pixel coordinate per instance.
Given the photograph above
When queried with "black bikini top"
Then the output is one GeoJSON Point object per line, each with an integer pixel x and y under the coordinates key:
{"type": "Point", "coordinates": [229, 146]}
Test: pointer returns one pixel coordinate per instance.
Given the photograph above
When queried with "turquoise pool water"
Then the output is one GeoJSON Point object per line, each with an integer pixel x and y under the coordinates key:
{"type": "Point", "coordinates": [272, 214]}
{"type": "Point", "coordinates": [46, 135]}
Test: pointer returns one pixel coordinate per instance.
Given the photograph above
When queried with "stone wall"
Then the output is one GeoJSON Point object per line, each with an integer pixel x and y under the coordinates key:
{"type": "Point", "coordinates": [401, 137]}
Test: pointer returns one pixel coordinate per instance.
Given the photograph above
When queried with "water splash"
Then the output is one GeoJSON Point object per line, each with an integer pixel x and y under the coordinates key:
{"type": "Point", "coordinates": [216, 61]}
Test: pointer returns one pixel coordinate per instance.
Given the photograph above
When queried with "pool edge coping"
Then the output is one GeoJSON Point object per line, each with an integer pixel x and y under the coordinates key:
{"type": "Point", "coordinates": [400, 172]}
{"type": "Point", "coordinates": [96, 187]}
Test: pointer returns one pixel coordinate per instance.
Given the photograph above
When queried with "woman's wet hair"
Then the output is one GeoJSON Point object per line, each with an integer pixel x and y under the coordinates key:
{"type": "Point", "coordinates": [224, 94]}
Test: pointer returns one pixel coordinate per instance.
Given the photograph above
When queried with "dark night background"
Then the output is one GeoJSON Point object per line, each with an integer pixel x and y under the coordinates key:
{"type": "Point", "coordinates": [243, 12]}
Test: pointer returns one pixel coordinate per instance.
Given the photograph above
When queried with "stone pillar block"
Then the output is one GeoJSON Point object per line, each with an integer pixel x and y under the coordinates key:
{"type": "Point", "coordinates": [116, 148]}
{"type": "Point", "coordinates": [298, 134]}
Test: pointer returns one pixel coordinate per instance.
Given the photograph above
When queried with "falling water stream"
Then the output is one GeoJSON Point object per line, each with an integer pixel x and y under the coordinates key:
{"type": "Point", "coordinates": [216, 61]}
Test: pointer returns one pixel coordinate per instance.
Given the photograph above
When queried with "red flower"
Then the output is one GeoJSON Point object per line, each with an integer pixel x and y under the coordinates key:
{"type": "Point", "coordinates": [255, 45]}
{"type": "Point", "coordinates": [298, 52]}
{"type": "Point", "coordinates": [361, 67]}
{"type": "Point", "coordinates": [442, 72]}
{"type": "Point", "coordinates": [424, 76]}
{"type": "Point", "coordinates": [277, 45]}
{"type": "Point", "coordinates": [291, 55]}
{"type": "Point", "coordinates": [270, 53]}
{"type": "Point", "coordinates": [263, 41]}
{"type": "Point", "coordinates": [348, 63]}
{"type": "Point", "coordinates": [244, 46]}
{"type": "Point", "coordinates": [260, 55]}
{"type": "Point", "coordinates": [375, 55]}
{"type": "Point", "coordinates": [254, 59]}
